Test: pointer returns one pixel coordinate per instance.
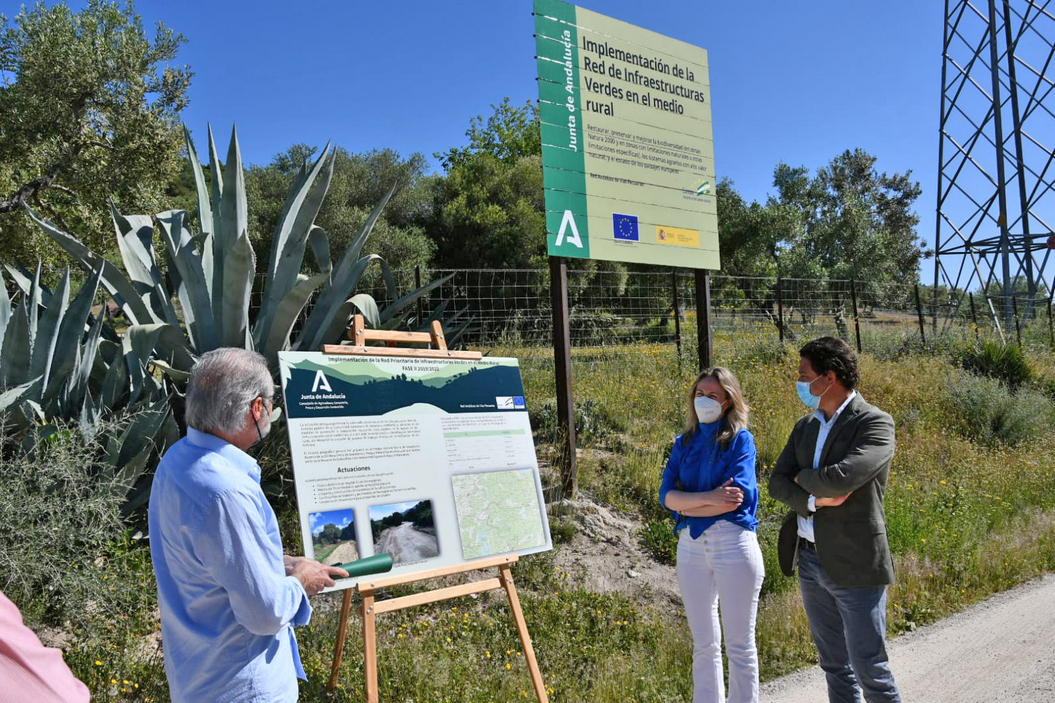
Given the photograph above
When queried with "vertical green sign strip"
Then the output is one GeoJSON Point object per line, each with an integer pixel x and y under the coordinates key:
{"type": "Point", "coordinates": [567, 224]}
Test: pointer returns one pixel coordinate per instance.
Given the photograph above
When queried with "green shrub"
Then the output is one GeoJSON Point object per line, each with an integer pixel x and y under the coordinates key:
{"type": "Point", "coordinates": [660, 540]}
{"type": "Point", "coordinates": [592, 422]}
{"type": "Point", "coordinates": [1004, 362]}
{"type": "Point", "coordinates": [767, 352]}
{"type": "Point", "coordinates": [59, 518]}
{"type": "Point", "coordinates": [989, 412]}
{"type": "Point", "coordinates": [562, 530]}
{"type": "Point", "coordinates": [543, 417]}
{"type": "Point", "coordinates": [895, 345]}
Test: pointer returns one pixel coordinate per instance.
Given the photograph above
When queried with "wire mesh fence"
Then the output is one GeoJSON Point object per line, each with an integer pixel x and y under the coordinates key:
{"type": "Point", "coordinates": [612, 310]}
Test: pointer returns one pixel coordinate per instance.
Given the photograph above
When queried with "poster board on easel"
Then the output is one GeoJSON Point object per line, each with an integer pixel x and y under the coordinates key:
{"type": "Point", "coordinates": [424, 454]}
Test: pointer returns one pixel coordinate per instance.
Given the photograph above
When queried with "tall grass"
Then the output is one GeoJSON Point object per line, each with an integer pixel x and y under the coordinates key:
{"type": "Point", "coordinates": [956, 490]}
{"type": "Point", "coordinates": [967, 517]}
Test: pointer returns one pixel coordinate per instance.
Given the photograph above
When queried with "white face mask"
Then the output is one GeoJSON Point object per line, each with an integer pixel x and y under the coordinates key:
{"type": "Point", "coordinates": [708, 410]}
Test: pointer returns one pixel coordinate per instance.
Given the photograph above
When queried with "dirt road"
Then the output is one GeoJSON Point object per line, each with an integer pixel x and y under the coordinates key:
{"type": "Point", "coordinates": [345, 552]}
{"type": "Point", "coordinates": [999, 651]}
{"type": "Point", "coordinates": [406, 544]}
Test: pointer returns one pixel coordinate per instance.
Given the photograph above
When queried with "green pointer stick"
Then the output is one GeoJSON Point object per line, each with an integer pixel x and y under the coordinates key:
{"type": "Point", "coordinates": [377, 564]}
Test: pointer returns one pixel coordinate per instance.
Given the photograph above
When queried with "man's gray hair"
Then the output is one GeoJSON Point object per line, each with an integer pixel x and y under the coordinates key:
{"type": "Point", "coordinates": [222, 385]}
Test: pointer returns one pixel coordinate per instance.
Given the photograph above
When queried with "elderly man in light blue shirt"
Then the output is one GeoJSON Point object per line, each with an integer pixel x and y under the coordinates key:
{"type": "Point", "coordinates": [229, 598]}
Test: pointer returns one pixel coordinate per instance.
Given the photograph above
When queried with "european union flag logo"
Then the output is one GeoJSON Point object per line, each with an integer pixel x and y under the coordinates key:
{"type": "Point", "coordinates": [624, 227]}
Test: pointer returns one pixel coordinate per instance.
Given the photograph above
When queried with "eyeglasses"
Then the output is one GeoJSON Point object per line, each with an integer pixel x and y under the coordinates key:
{"type": "Point", "coordinates": [274, 410]}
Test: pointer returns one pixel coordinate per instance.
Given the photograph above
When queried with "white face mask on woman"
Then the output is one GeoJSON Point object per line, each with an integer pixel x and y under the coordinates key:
{"type": "Point", "coordinates": [708, 410]}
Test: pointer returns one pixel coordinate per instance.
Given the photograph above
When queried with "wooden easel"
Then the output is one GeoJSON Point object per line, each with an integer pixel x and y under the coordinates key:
{"type": "Point", "coordinates": [367, 588]}
{"type": "Point", "coordinates": [360, 336]}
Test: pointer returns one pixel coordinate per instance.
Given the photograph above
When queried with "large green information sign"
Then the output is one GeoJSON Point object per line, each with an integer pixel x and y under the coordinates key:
{"type": "Point", "coordinates": [627, 144]}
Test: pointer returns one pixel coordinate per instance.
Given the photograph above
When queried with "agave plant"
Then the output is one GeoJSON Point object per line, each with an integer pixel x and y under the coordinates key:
{"type": "Point", "coordinates": [59, 362]}
{"type": "Point", "coordinates": [212, 272]}
{"type": "Point", "coordinates": [44, 360]}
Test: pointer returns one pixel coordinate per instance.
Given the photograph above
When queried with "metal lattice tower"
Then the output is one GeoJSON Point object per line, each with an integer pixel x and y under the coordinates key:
{"type": "Point", "coordinates": [996, 178]}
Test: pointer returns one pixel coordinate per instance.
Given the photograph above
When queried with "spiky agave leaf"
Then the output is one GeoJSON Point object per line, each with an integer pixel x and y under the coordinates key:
{"type": "Point", "coordinates": [194, 287]}
{"type": "Point", "coordinates": [288, 311]}
{"type": "Point", "coordinates": [332, 302]}
{"type": "Point", "coordinates": [135, 241]}
{"type": "Point", "coordinates": [14, 362]}
{"type": "Point", "coordinates": [68, 341]}
{"type": "Point", "coordinates": [239, 270]}
{"type": "Point", "coordinates": [115, 282]}
{"type": "Point", "coordinates": [13, 396]}
{"type": "Point", "coordinates": [213, 261]}
{"type": "Point", "coordinates": [291, 234]}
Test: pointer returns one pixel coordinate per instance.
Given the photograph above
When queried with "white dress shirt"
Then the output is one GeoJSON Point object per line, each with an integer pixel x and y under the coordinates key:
{"type": "Point", "coordinates": [806, 523]}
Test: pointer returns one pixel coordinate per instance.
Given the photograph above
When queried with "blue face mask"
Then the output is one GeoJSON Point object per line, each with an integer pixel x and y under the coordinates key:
{"type": "Point", "coordinates": [806, 394]}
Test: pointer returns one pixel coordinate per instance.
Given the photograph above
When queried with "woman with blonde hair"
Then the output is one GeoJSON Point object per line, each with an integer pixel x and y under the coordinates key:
{"type": "Point", "coordinates": [710, 487]}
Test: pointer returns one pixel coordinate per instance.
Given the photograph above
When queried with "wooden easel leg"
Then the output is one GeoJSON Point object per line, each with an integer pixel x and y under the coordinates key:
{"type": "Point", "coordinates": [506, 576]}
{"type": "Point", "coordinates": [342, 630]}
{"type": "Point", "coordinates": [370, 648]}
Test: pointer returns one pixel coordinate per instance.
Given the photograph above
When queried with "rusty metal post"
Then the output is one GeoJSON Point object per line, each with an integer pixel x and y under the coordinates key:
{"type": "Point", "coordinates": [919, 313]}
{"type": "Point", "coordinates": [780, 309]}
{"type": "Point", "coordinates": [677, 312]}
{"type": "Point", "coordinates": [1018, 324]}
{"type": "Point", "coordinates": [558, 285]}
{"type": "Point", "coordinates": [704, 343]}
{"type": "Point", "coordinates": [857, 321]}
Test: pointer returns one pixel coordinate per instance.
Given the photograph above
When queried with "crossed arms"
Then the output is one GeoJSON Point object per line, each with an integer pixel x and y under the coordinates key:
{"type": "Point", "coordinates": [871, 449]}
{"type": "Point", "coordinates": [725, 498]}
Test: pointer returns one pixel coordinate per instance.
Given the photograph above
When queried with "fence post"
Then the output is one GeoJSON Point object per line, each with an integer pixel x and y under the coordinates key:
{"type": "Point", "coordinates": [919, 313]}
{"type": "Point", "coordinates": [780, 309]}
{"type": "Point", "coordinates": [857, 321]}
{"type": "Point", "coordinates": [421, 303]}
{"type": "Point", "coordinates": [1018, 324]}
{"type": "Point", "coordinates": [1051, 330]}
{"type": "Point", "coordinates": [558, 285]}
{"type": "Point", "coordinates": [703, 318]}
{"type": "Point", "coordinates": [677, 312]}
{"type": "Point", "coordinates": [974, 315]}
{"type": "Point", "coordinates": [934, 311]}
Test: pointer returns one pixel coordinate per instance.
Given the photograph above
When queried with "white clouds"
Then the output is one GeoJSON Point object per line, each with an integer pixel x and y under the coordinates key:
{"type": "Point", "coordinates": [339, 518]}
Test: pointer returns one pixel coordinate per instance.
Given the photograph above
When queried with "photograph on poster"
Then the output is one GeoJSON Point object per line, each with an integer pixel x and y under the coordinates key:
{"type": "Point", "coordinates": [333, 536]}
{"type": "Point", "coordinates": [406, 531]}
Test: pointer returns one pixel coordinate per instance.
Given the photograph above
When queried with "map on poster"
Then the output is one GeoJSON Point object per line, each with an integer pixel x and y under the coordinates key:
{"type": "Point", "coordinates": [428, 460]}
{"type": "Point", "coordinates": [497, 512]}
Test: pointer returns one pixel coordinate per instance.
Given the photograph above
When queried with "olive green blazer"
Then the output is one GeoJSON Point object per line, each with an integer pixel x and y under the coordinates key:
{"type": "Point", "coordinates": [851, 538]}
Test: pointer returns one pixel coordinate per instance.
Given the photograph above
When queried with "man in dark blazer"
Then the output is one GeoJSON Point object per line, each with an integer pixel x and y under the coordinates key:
{"type": "Point", "coordinates": [833, 474]}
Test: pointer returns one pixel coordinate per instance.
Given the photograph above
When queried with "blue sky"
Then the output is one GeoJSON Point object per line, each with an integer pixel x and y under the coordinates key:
{"type": "Point", "coordinates": [794, 82]}
{"type": "Point", "coordinates": [340, 518]}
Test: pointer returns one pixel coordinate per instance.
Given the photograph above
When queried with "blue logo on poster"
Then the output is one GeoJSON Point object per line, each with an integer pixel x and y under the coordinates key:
{"type": "Point", "coordinates": [518, 402]}
{"type": "Point", "coordinates": [624, 227]}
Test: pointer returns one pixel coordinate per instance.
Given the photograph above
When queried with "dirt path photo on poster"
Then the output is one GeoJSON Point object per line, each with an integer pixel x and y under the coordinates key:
{"type": "Point", "coordinates": [406, 544]}
{"type": "Point", "coordinates": [344, 553]}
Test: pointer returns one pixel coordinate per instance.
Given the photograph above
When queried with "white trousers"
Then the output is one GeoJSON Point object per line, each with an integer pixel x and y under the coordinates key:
{"type": "Point", "coordinates": [723, 565]}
